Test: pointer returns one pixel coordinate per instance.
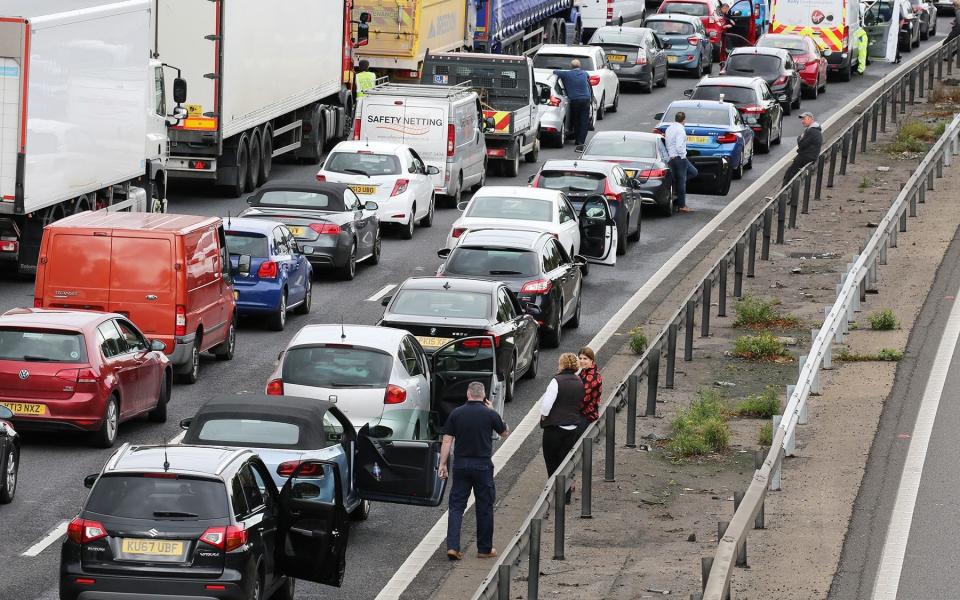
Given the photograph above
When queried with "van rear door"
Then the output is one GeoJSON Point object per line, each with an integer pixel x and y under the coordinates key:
{"type": "Point", "coordinates": [427, 129]}
{"type": "Point", "coordinates": [142, 284]}
{"type": "Point", "coordinates": [76, 270]}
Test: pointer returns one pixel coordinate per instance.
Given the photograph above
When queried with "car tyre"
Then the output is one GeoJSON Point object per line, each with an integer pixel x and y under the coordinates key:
{"type": "Point", "coordinates": [574, 321]}
{"type": "Point", "coordinates": [727, 181]}
{"type": "Point", "coordinates": [616, 97]}
{"type": "Point", "coordinates": [738, 172]}
{"type": "Point", "coordinates": [796, 103]}
{"type": "Point", "coordinates": [225, 349]}
{"type": "Point", "coordinates": [407, 232]}
{"type": "Point", "coordinates": [349, 270]}
{"type": "Point", "coordinates": [764, 146]}
{"type": "Point", "coordinates": [362, 511]}
{"type": "Point", "coordinates": [266, 155]}
{"type": "Point", "coordinates": [427, 220]}
{"type": "Point", "coordinates": [601, 110]}
{"type": "Point", "coordinates": [534, 365]}
{"type": "Point", "coordinates": [278, 320]}
{"type": "Point", "coordinates": [787, 108]}
{"type": "Point", "coordinates": [554, 334]}
{"type": "Point", "coordinates": [8, 476]}
{"type": "Point", "coordinates": [304, 307]}
{"type": "Point", "coordinates": [159, 413]}
{"type": "Point", "coordinates": [377, 248]}
{"type": "Point", "coordinates": [287, 591]}
{"type": "Point", "coordinates": [663, 78]}
{"type": "Point", "coordinates": [193, 374]}
{"type": "Point", "coordinates": [749, 164]}
{"type": "Point", "coordinates": [560, 137]}
{"type": "Point", "coordinates": [256, 590]}
{"type": "Point", "coordinates": [622, 240]}
{"type": "Point", "coordinates": [107, 434]}
{"type": "Point", "coordinates": [454, 199]}
{"type": "Point", "coordinates": [510, 382]}
{"type": "Point", "coordinates": [635, 236]}
{"type": "Point", "coordinates": [483, 176]}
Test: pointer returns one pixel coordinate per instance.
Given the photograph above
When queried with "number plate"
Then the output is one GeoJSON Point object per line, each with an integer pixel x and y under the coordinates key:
{"type": "Point", "coordinates": [296, 231]}
{"type": "Point", "coordinates": [26, 408]}
{"type": "Point", "coordinates": [363, 189]}
{"type": "Point", "coordinates": [697, 139]}
{"type": "Point", "coordinates": [672, 58]}
{"type": "Point", "coordinates": [616, 58]}
{"type": "Point", "coordinates": [432, 342]}
{"type": "Point", "coordinates": [152, 547]}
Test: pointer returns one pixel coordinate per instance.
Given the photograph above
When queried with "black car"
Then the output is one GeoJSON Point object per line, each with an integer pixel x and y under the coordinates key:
{"type": "Point", "coordinates": [774, 65]}
{"type": "Point", "coordinates": [9, 456]}
{"type": "Point", "coordinates": [753, 98]}
{"type": "Point", "coordinates": [208, 522]}
{"type": "Point", "coordinates": [634, 53]}
{"type": "Point", "coordinates": [334, 229]}
{"type": "Point", "coordinates": [437, 310]}
{"type": "Point", "coordinates": [533, 264]}
{"type": "Point", "coordinates": [643, 157]}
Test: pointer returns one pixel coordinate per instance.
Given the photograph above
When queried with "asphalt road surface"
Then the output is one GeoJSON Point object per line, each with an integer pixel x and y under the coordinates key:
{"type": "Point", "coordinates": [52, 468]}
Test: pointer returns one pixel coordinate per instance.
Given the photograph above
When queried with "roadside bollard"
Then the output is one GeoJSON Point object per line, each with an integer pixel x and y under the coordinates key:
{"type": "Point", "coordinates": [706, 299]}
{"type": "Point", "coordinates": [688, 331]}
{"type": "Point", "coordinates": [633, 382]}
{"type": "Point", "coordinates": [586, 471]}
{"type": "Point", "coordinates": [767, 226]}
{"type": "Point", "coordinates": [533, 575]}
{"type": "Point", "coordinates": [722, 287]}
{"type": "Point", "coordinates": [503, 581]}
{"type": "Point", "coordinates": [672, 331]}
{"type": "Point", "coordinates": [653, 380]}
{"type": "Point", "coordinates": [738, 266]}
{"type": "Point", "coordinates": [560, 513]}
{"type": "Point", "coordinates": [752, 256]}
{"type": "Point", "coordinates": [781, 217]}
{"type": "Point", "coordinates": [611, 440]}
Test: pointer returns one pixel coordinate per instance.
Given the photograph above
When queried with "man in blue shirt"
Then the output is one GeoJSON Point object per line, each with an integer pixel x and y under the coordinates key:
{"type": "Point", "coordinates": [580, 95]}
{"type": "Point", "coordinates": [472, 426]}
{"type": "Point", "coordinates": [676, 140]}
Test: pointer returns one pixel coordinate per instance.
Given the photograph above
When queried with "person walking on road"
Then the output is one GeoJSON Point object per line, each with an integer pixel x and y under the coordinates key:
{"type": "Point", "coordinates": [366, 78]}
{"type": "Point", "coordinates": [580, 94]}
{"type": "Point", "coordinates": [808, 146]}
{"type": "Point", "coordinates": [471, 426]}
{"type": "Point", "coordinates": [592, 387]}
{"type": "Point", "coordinates": [676, 140]}
{"type": "Point", "coordinates": [560, 413]}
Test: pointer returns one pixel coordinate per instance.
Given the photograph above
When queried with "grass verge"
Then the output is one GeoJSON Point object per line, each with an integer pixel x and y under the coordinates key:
{"type": "Point", "coordinates": [884, 355]}
{"type": "Point", "coordinates": [757, 313]}
{"type": "Point", "coordinates": [764, 346]}
{"type": "Point", "coordinates": [702, 428]}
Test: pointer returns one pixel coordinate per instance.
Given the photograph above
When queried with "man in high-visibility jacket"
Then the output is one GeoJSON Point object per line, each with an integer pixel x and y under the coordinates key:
{"type": "Point", "coordinates": [863, 43]}
{"type": "Point", "coordinates": [366, 78]}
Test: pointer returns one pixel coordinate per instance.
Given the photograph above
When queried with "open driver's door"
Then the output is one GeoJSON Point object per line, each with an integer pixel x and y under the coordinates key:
{"type": "Point", "coordinates": [398, 471]}
{"type": "Point", "coordinates": [598, 231]}
{"type": "Point", "coordinates": [456, 365]}
{"type": "Point", "coordinates": [313, 532]}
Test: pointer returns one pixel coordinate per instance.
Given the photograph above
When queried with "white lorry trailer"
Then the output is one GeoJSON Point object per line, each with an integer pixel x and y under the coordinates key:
{"type": "Point", "coordinates": [264, 79]}
{"type": "Point", "coordinates": [83, 118]}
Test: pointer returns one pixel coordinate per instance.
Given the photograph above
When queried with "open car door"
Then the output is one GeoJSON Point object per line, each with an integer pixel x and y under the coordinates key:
{"type": "Point", "coordinates": [598, 231]}
{"type": "Point", "coordinates": [398, 471]}
{"type": "Point", "coordinates": [313, 531]}
{"type": "Point", "coordinates": [744, 31]}
{"type": "Point", "coordinates": [456, 365]}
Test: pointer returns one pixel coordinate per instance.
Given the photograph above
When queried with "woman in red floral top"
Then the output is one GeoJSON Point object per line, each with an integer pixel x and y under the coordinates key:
{"type": "Point", "coordinates": [592, 384]}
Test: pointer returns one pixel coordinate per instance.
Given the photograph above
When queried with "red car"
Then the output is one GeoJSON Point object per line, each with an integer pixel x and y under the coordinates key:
{"type": "Point", "coordinates": [63, 370]}
{"type": "Point", "coordinates": [808, 59]}
{"type": "Point", "coordinates": [709, 13]}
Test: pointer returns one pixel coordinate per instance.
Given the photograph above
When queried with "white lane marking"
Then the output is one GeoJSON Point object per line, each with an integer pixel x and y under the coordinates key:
{"type": "Point", "coordinates": [55, 534]}
{"type": "Point", "coordinates": [177, 438]}
{"type": "Point", "coordinates": [424, 550]}
{"type": "Point", "coordinates": [382, 292]}
{"type": "Point", "coordinates": [887, 583]}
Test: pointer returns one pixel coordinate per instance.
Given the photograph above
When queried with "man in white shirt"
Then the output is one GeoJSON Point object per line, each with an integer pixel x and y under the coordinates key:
{"type": "Point", "coordinates": [676, 140]}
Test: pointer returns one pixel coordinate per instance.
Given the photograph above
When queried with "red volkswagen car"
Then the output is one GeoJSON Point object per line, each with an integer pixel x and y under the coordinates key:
{"type": "Point", "coordinates": [63, 370]}
{"type": "Point", "coordinates": [809, 59]}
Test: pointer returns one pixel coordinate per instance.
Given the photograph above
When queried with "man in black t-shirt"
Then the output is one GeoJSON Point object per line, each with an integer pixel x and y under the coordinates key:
{"type": "Point", "coordinates": [472, 427]}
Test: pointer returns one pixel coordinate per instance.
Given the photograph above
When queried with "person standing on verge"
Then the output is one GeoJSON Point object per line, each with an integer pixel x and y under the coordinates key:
{"type": "Point", "coordinates": [366, 78]}
{"type": "Point", "coordinates": [592, 387]}
{"type": "Point", "coordinates": [560, 413]}
{"type": "Point", "coordinates": [580, 94]}
{"type": "Point", "coordinates": [472, 426]}
{"type": "Point", "coordinates": [676, 140]}
{"type": "Point", "coordinates": [808, 146]}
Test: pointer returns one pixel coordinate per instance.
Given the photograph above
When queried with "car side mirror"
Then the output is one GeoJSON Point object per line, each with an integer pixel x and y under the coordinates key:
{"type": "Point", "coordinates": [5, 413]}
{"type": "Point", "coordinates": [544, 95]}
{"type": "Point", "coordinates": [432, 170]}
{"type": "Point", "coordinates": [461, 206]}
{"type": "Point", "coordinates": [185, 423]}
{"type": "Point", "coordinates": [688, 93]}
{"type": "Point", "coordinates": [579, 260]}
{"type": "Point", "coordinates": [89, 480]}
{"type": "Point", "coordinates": [443, 253]}
{"type": "Point", "coordinates": [243, 265]}
{"type": "Point", "coordinates": [666, 45]}
{"type": "Point", "coordinates": [386, 300]}
{"type": "Point", "coordinates": [531, 178]}
{"type": "Point", "coordinates": [634, 183]}
{"type": "Point", "coordinates": [363, 30]}
{"type": "Point", "coordinates": [532, 309]}
{"type": "Point", "coordinates": [179, 90]}
{"type": "Point", "coordinates": [658, 116]}
{"type": "Point", "coordinates": [157, 346]}
{"type": "Point", "coordinates": [371, 205]}
{"type": "Point", "coordinates": [489, 123]}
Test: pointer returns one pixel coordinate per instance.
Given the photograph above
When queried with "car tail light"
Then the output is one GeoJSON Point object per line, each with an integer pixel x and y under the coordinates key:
{"type": "Point", "coordinates": [641, 59]}
{"type": "Point", "coordinates": [8, 246]}
{"type": "Point", "coordinates": [609, 11]}
{"type": "Point", "coordinates": [399, 187]}
{"type": "Point", "coordinates": [394, 395]}
{"type": "Point", "coordinates": [84, 581]}
{"type": "Point", "coordinates": [693, 40]}
{"type": "Point", "coordinates": [356, 129]}
{"type": "Point", "coordinates": [554, 101]}
{"type": "Point", "coordinates": [610, 194]}
{"type": "Point", "coordinates": [286, 469]}
{"type": "Point", "coordinates": [752, 109]}
{"type": "Point", "coordinates": [537, 286]}
{"type": "Point", "coordinates": [497, 152]}
{"type": "Point", "coordinates": [451, 139]}
{"type": "Point", "coordinates": [653, 173]}
{"type": "Point", "coordinates": [726, 138]}
{"type": "Point", "coordinates": [594, 80]}
{"type": "Point", "coordinates": [458, 231]}
{"type": "Point", "coordinates": [536, 181]}
{"type": "Point", "coordinates": [181, 323]}
{"type": "Point", "coordinates": [38, 302]}
{"type": "Point", "coordinates": [275, 387]}
{"type": "Point", "coordinates": [225, 538]}
{"type": "Point", "coordinates": [321, 178]}
{"type": "Point", "coordinates": [780, 80]}
{"type": "Point", "coordinates": [268, 270]}
{"type": "Point", "coordinates": [496, 339]}
{"type": "Point", "coordinates": [484, 343]}
{"type": "Point", "coordinates": [83, 531]}
{"type": "Point", "coordinates": [325, 228]}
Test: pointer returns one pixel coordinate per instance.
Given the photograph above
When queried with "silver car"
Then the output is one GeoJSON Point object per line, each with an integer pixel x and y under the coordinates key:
{"type": "Point", "coordinates": [556, 121]}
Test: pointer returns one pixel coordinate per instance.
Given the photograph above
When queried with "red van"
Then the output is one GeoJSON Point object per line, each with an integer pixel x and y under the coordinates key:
{"type": "Point", "coordinates": [169, 274]}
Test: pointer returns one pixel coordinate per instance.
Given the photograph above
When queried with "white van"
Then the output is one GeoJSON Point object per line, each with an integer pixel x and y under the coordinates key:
{"type": "Point", "coordinates": [441, 123]}
{"type": "Point", "coordinates": [597, 13]}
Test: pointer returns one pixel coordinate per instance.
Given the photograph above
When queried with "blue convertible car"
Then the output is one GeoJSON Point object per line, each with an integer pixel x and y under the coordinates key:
{"type": "Point", "coordinates": [719, 143]}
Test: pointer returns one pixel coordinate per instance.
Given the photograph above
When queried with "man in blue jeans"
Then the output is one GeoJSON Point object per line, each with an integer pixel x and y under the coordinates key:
{"type": "Point", "coordinates": [681, 168]}
{"type": "Point", "coordinates": [580, 95]}
{"type": "Point", "coordinates": [471, 426]}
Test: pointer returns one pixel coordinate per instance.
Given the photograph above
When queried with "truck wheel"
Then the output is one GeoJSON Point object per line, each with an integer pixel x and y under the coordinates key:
{"type": "Point", "coordinates": [512, 168]}
{"type": "Point", "coordinates": [236, 188]}
{"type": "Point", "coordinates": [314, 153]}
{"type": "Point", "coordinates": [253, 169]}
{"type": "Point", "coordinates": [266, 155]}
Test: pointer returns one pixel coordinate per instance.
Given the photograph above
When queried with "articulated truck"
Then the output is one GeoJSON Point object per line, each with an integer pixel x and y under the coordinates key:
{"type": "Point", "coordinates": [83, 116]}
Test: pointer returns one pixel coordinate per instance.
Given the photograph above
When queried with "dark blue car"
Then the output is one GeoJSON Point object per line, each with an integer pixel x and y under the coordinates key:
{"type": "Point", "coordinates": [272, 276]}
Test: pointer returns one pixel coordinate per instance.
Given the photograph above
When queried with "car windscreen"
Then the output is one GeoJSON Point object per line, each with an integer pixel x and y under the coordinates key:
{"type": "Point", "coordinates": [671, 27]}
{"type": "Point", "coordinates": [791, 45]}
{"type": "Point", "coordinates": [158, 496]}
{"type": "Point", "coordinates": [572, 181]}
{"type": "Point", "coordinates": [363, 163]}
{"type": "Point", "coordinates": [483, 262]}
{"type": "Point", "coordinates": [732, 94]}
{"type": "Point", "coordinates": [607, 36]}
{"type": "Point", "coordinates": [699, 115]}
{"type": "Point", "coordinates": [442, 303]}
{"type": "Point", "coordinates": [561, 61]}
{"type": "Point", "coordinates": [618, 146]}
{"type": "Point", "coordinates": [249, 432]}
{"type": "Point", "coordinates": [524, 209]}
{"type": "Point", "coordinates": [762, 65]}
{"type": "Point", "coordinates": [696, 9]}
{"type": "Point", "coordinates": [41, 345]}
{"type": "Point", "coordinates": [302, 199]}
{"type": "Point", "coordinates": [336, 366]}
{"type": "Point", "coordinates": [244, 242]}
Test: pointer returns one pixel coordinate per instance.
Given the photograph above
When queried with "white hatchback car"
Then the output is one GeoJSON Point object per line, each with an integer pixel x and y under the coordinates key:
{"type": "Point", "coordinates": [593, 60]}
{"type": "Point", "coordinates": [381, 377]}
{"type": "Point", "coordinates": [393, 175]}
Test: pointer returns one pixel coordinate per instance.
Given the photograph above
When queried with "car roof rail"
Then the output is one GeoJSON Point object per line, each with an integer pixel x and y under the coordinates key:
{"type": "Point", "coordinates": [233, 456]}
{"type": "Point", "coordinates": [113, 460]}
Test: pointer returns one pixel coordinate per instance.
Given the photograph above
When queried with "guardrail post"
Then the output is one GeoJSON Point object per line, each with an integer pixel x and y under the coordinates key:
{"type": "Point", "coordinates": [854, 136]}
{"type": "Point", "coordinates": [883, 114]}
{"type": "Point", "coordinates": [844, 152]}
{"type": "Point", "coordinates": [913, 202]}
{"type": "Point", "coordinates": [560, 512]}
{"type": "Point", "coordinates": [883, 250]}
{"type": "Point", "coordinates": [921, 86]}
{"type": "Point", "coordinates": [903, 221]}
{"type": "Point", "coordinates": [696, 596]}
{"type": "Point", "coordinates": [767, 227]}
{"type": "Point", "coordinates": [949, 65]}
{"type": "Point", "coordinates": [721, 529]}
{"type": "Point", "coordinates": [939, 170]}
{"type": "Point", "coordinates": [503, 581]}
{"type": "Point", "coordinates": [671, 354]}
{"type": "Point", "coordinates": [913, 85]}
{"type": "Point", "coordinates": [807, 181]}
{"type": "Point", "coordinates": [821, 163]}
{"type": "Point", "coordinates": [611, 440]}
{"type": "Point", "coordinates": [752, 257]}
{"type": "Point", "coordinates": [956, 51]}
{"type": "Point", "coordinates": [586, 470]}
{"type": "Point", "coordinates": [633, 383]}
{"type": "Point", "coordinates": [781, 216]}
{"type": "Point", "coordinates": [930, 66]}
{"type": "Point", "coordinates": [863, 132]}
{"type": "Point", "coordinates": [930, 180]}
{"type": "Point", "coordinates": [894, 92]}
{"type": "Point", "coordinates": [794, 202]}
{"type": "Point", "coordinates": [722, 287]}
{"type": "Point", "coordinates": [893, 236]}
{"type": "Point", "coordinates": [947, 153]}
{"type": "Point", "coordinates": [874, 112]}
{"type": "Point", "coordinates": [653, 380]}
{"type": "Point", "coordinates": [706, 564]}
{"type": "Point", "coordinates": [688, 331]}
{"type": "Point", "coordinates": [828, 355]}
{"type": "Point", "coordinates": [903, 98]}
{"type": "Point", "coordinates": [838, 336]}
{"type": "Point", "coordinates": [706, 297]}
{"type": "Point", "coordinates": [533, 574]}
{"type": "Point", "coordinates": [922, 193]}
{"type": "Point", "coordinates": [833, 165]}
{"type": "Point", "coordinates": [775, 483]}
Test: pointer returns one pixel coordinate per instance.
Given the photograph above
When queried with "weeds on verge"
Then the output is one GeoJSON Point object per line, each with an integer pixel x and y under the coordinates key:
{"type": "Point", "coordinates": [884, 355]}
{"type": "Point", "coordinates": [702, 428]}
{"type": "Point", "coordinates": [913, 136]}
{"type": "Point", "coordinates": [764, 346]}
{"type": "Point", "coordinates": [765, 435]}
{"type": "Point", "coordinates": [757, 313]}
{"type": "Point", "coordinates": [638, 340]}
{"type": "Point", "coordinates": [763, 406]}
{"type": "Point", "coordinates": [883, 320]}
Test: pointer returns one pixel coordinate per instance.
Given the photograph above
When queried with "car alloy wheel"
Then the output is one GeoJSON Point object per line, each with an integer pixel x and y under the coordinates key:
{"type": "Point", "coordinates": [304, 307]}
{"type": "Point", "coordinates": [534, 365]}
{"type": "Point", "coordinates": [510, 380]}
{"type": "Point", "coordinates": [224, 351]}
{"type": "Point", "coordinates": [9, 477]}
{"type": "Point", "coordinates": [377, 246]}
{"type": "Point", "coordinates": [107, 434]}
{"type": "Point", "coordinates": [407, 232]}
{"type": "Point", "coordinates": [279, 320]}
